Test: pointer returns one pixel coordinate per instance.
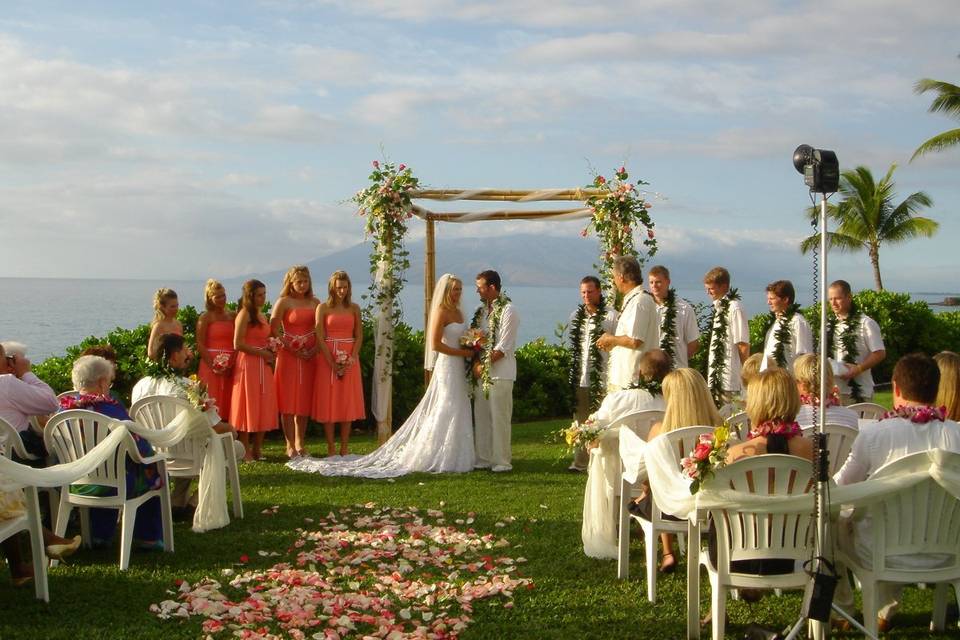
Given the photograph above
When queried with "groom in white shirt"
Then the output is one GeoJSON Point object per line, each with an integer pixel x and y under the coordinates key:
{"type": "Point", "coordinates": [493, 408]}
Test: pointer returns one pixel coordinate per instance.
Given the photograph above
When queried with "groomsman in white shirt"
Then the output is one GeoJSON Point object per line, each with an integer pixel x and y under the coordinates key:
{"type": "Point", "coordinates": [591, 319]}
{"type": "Point", "coordinates": [636, 331]}
{"type": "Point", "coordinates": [686, 333]}
{"type": "Point", "coordinates": [729, 342]}
{"type": "Point", "coordinates": [492, 414]}
{"type": "Point", "coordinates": [789, 335]}
{"type": "Point", "coordinates": [868, 348]}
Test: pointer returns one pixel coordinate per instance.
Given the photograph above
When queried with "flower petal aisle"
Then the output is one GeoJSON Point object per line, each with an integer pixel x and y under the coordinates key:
{"type": "Point", "coordinates": [362, 572]}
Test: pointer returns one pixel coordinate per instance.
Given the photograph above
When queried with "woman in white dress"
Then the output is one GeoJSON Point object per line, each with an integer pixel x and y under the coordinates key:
{"type": "Point", "coordinates": [437, 437]}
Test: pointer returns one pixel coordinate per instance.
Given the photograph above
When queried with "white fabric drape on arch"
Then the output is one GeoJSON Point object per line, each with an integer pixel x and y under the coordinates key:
{"type": "Point", "coordinates": [381, 387]}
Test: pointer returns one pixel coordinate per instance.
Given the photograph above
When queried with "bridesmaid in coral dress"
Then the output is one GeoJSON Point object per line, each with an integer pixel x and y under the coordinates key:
{"type": "Point", "coordinates": [253, 404]}
{"type": "Point", "coordinates": [294, 318]}
{"type": "Point", "coordinates": [215, 345]}
{"type": "Point", "coordinates": [339, 390]}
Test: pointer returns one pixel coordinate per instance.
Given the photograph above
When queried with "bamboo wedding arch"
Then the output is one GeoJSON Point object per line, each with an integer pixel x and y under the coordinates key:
{"type": "Point", "coordinates": [382, 386]}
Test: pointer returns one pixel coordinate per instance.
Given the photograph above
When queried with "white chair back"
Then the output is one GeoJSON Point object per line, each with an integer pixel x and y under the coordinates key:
{"type": "Point", "coordinates": [156, 412]}
{"type": "Point", "coordinates": [639, 422]}
{"type": "Point", "coordinates": [739, 425]}
{"type": "Point", "coordinates": [11, 442]}
{"type": "Point", "coordinates": [868, 410]}
{"type": "Point", "coordinates": [840, 439]}
{"type": "Point", "coordinates": [69, 435]}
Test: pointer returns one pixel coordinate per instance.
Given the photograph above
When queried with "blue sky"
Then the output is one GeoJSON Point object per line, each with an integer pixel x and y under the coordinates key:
{"type": "Point", "coordinates": [196, 139]}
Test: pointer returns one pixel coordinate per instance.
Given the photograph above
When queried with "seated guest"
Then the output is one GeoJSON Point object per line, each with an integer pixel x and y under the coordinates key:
{"type": "Point", "coordinates": [689, 404]}
{"type": "Point", "coordinates": [598, 531]}
{"type": "Point", "coordinates": [92, 377]}
{"type": "Point", "coordinates": [806, 369]}
{"type": "Point", "coordinates": [107, 352]}
{"type": "Point", "coordinates": [914, 425]}
{"type": "Point", "coordinates": [749, 371]}
{"type": "Point", "coordinates": [772, 406]}
{"type": "Point", "coordinates": [174, 357]}
{"type": "Point", "coordinates": [21, 572]}
{"type": "Point", "coordinates": [22, 395]}
{"type": "Point", "coordinates": [948, 392]}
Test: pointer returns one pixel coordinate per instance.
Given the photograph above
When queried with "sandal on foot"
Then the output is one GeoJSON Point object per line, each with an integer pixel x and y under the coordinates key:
{"type": "Point", "coordinates": [668, 567]}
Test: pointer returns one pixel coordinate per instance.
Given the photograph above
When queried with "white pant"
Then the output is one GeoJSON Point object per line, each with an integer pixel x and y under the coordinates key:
{"type": "Point", "coordinates": [491, 420]}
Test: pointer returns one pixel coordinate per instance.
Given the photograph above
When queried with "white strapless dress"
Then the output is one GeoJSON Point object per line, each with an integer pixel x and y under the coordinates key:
{"type": "Point", "coordinates": [437, 437]}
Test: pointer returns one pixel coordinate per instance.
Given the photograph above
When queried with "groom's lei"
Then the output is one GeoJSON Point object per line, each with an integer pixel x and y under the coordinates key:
{"type": "Point", "coordinates": [719, 322]}
{"type": "Point", "coordinates": [668, 328]}
{"type": "Point", "coordinates": [493, 325]}
{"type": "Point", "coordinates": [848, 344]}
{"type": "Point", "coordinates": [782, 334]}
{"type": "Point", "coordinates": [594, 365]}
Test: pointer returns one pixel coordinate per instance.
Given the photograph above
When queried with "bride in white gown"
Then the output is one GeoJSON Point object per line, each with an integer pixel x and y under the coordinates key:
{"type": "Point", "coordinates": [438, 436]}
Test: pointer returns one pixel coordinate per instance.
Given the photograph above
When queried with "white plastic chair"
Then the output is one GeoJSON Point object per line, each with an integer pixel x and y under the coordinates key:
{"type": "Point", "coordinates": [185, 459]}
{"type": "Point", "coordinates": [14, 443]}
{"type": "Point", "coordinates": [739, 425]}
{"type": "Point", "coordinates": [639, 421]}
{"type": "Point", "coordinates": [868, 410]}
{"type": "Point", "coordinates": [840, 439]}
{"type": "Point", "coordinates": [920, 519]}
{"type": "Point", "coordinates": [742, 535]}
{"type": "Point", "coordinates": [30, 521]}
{"type": "Point", "coordinates": [70, 435]}
{"type": "Point", "coordinates": [681, 440]}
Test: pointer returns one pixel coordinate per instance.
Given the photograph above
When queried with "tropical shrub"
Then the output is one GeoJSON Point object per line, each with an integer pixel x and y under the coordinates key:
{"type": "Point", "coordinates": [542, 389]}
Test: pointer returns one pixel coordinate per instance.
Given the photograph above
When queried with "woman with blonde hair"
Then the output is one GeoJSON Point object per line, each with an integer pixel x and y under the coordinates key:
{"type": "Point", "coordinates": [689, 404]}
{"type": "Point", "coordinates": [948, 393]}
{"type": "Point", "coordinates": [437, 437]}
{"type": "Point", "coordinates": [338, 394]}
{"type": "Point", "coordinates": [772, 405]}
{"type": "Point", "coordinates": [165, 307]}
{"type": "Point", "coordinates": [294, 320]}
{"type": "Point", "coordinates": [215, 346]}
{"type": "Point", "coordinates": [806, 370]}
{"type": "Point", "coordinates": [253, 402]}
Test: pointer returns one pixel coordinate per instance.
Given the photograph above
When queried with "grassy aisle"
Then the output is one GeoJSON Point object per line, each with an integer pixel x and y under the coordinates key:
{"type": "Point", "coordinates": [574, 596]}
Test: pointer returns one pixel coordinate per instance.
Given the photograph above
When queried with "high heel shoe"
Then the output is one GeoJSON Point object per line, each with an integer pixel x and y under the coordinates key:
{"type": "Point", "coordinates": [61, 551]}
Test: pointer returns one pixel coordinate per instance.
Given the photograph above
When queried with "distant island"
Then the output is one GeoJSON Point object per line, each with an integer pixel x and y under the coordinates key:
{"type": "Point", "coordinates": [949, 301]}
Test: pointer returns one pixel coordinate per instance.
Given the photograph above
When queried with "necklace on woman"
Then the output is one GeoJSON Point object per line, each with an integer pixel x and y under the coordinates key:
{"type": "Point", "coordinates": [594, 358]}
{"type": "Point", "coordinates": [775, 428]}
{"type": "Point", "coordinates": [848, 344]}
{"type": "Point", "coordinates": [814, 400]}
{"type": "Point", "coordinates": [719, 323]}
{"type": "Point", "coordinates": [782, 336]}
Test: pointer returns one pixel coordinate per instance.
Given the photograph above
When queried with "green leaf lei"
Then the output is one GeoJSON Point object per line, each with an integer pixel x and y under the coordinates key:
{"type": "Point", "coordinates": [848, 345]}
{"type": "Point", "coordinates": [719, 323]}
{"type": "Point", "coordinates": [782, 335]}
{"type": "Point", "coordinates": [594, 366]}
{"type": "Point", "coordinates": [668, 328]}
{"type": "Point", "coordinates": [653, 387]}
{"type": "Point", "coordinates": [486, 354]}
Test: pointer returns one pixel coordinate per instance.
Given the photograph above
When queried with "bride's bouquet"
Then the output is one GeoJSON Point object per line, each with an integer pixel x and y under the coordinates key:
{"type": "Point", "coordinates": [473, 339]}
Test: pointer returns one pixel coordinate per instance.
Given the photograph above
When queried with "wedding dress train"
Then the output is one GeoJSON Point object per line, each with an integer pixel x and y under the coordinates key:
{"type": "Point", "coordinates": [437, 437]}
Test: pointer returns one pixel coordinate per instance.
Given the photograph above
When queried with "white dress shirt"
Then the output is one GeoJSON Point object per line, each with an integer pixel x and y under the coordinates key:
{"type": "Point", "coordinates": [506, 367]}
{"type": "Point", "coordinates": [21, 398]}
{"type": "Point", "coordinates": [624, 402]}
{"type": "Point", "coordinates": [801, 340]}
{"type": "Point", "coordinates": [151, 386]}
{"type": "Point", "coordinates": [686, 329]}
{"type": "Point", "coordinates": [738, 330]}
{"type": "Point", "coordinates": [638, 320]}
{"type": "Point", "coordinates": [608, 325]}
{"type": "Point", "coordinates": [868, 341]}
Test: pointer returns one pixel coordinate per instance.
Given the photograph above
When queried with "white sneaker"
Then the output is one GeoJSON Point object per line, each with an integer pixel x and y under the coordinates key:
{"type": "Point", "coordinates": [500, 468]}
{"type": "Point", "coordinates": [481, 466]}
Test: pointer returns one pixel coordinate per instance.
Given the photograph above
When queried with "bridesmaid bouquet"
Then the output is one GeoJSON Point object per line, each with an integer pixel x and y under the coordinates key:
{"type": "Point", "coordinates": [297, 343]}
{"type": "Point", "coordinates": [473, 339]}
{"type": "Point", "coordinates": [274, 344]}
{"type": "Point", "coordinates": [579, 434]}
{"type": "Point", "coordinates": [709, 455]}
{"type": "Point", "coordinates": [341, 359]}
{"type": "Point", "coordinates": [221, 362]}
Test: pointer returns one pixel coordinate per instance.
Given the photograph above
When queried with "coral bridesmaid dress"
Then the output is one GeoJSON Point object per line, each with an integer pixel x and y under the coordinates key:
{"type": "Point", "coordinates": [253, 404]}
{"type": "Point", "coordinates": [338, 399]}
{"type": "Point", "coordinates": [219, 386]}
{"type": "Point", "coordinates": [295, 375]}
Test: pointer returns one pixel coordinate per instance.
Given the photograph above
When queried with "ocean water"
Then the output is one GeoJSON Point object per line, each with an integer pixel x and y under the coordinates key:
{"type": "Point", "coordinates": [50, 314]}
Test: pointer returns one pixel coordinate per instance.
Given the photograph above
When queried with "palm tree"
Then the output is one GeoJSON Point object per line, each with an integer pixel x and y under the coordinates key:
{"type": "Point", "coordinates": [867, 217]}
{"type": "Point", "coordinates": [948, 102]}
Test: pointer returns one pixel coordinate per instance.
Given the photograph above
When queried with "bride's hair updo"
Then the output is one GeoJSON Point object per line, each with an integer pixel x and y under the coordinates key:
{"type": "Point", "coordinates": [447, 302]}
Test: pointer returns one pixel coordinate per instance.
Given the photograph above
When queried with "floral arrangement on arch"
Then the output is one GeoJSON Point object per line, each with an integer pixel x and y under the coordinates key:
{"type": "Point", "coordinates": [615, 214]}
{"type": "Point", "coordinates": [386, 205]}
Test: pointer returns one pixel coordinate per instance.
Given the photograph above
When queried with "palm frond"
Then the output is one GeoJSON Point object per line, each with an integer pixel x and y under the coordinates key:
{"type": "Point", "coordinates": [835, 240]}
{"type": "Point", "coordinates": [911, 228]}
{"type": "Point", "coordinates": [938, 142]}
{"type": "Point", "coordinates": [947, 100]}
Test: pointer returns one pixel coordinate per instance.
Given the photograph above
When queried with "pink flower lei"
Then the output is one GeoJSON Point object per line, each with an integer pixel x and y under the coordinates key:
{"type": "Point", "coordinates": [813, 400]}
{"type": "Point", "coordinates": [919, 415]}
{"type": "Point", "coordinates": [82, 400]}
{"type": "Point", "coordinates": [776, 428]}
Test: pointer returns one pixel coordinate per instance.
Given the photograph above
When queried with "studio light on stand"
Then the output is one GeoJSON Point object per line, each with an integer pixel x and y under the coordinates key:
{"type": "Point", "coordinates": [821, 173]}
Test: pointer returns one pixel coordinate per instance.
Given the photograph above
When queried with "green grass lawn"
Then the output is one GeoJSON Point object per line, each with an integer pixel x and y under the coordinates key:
{"type": "Point", "coordinates": [574, 596]}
